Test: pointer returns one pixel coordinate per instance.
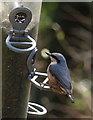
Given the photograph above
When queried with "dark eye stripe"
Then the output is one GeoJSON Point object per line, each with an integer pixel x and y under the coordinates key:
{"type": "Point", "coordinates": [56, 58]}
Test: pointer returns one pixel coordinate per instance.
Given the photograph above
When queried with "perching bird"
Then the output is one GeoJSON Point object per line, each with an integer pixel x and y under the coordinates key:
{"type": "Point", "coordinates": [59, 76]}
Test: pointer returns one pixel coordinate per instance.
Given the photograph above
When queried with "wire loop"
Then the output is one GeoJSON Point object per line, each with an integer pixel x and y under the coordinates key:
{"type": "Point", "coordinates": [29, 41]}
{"type": "Point", "coordinates": [36, 109]}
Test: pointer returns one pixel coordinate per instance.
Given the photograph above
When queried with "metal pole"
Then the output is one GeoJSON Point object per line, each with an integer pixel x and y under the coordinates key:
{"type": "Point", "coordinates": [15, 85]}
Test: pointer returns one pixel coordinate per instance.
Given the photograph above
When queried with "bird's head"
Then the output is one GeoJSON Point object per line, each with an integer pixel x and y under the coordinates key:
{"type": "Point", "coordinates": [59, 58]}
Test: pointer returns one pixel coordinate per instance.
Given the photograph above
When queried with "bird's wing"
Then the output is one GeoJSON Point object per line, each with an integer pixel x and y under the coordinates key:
{"type": "Point", "coordinates": [62, 74]}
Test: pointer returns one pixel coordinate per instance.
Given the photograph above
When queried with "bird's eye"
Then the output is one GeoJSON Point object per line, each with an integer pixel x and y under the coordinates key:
{"type": "Point", "coordinates": [55, 58]}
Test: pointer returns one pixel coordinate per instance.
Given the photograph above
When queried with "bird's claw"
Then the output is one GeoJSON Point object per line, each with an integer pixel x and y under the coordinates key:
{"type": "Point", "coordinates": [42, 85]}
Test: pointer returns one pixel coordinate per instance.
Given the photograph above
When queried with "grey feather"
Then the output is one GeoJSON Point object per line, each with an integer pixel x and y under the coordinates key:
{"type": "Point", "coordinates": [61, 72]}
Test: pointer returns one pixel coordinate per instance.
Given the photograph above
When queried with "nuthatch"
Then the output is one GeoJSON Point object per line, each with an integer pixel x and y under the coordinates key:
{"type": "Point", "coordinates": [59, 76]}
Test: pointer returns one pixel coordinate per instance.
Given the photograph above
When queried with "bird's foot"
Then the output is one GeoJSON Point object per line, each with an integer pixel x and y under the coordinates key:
{"type": "Point", "coordinates": [43, 84]}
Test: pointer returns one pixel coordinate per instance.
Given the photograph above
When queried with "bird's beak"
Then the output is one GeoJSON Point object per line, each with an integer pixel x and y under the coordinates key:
{"type": "Point", "coordinates": [49, 54]}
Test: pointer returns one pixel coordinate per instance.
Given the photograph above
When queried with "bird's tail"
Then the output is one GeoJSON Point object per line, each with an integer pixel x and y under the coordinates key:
{"type": "Point", "coordinates": [69, 94]}
{"type": "Point", "coordinates": [71, 98]}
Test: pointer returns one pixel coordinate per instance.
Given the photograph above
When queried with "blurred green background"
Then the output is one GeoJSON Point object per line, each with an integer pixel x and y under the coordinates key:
{"type": "Point", "coordinates": [66, 28]}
